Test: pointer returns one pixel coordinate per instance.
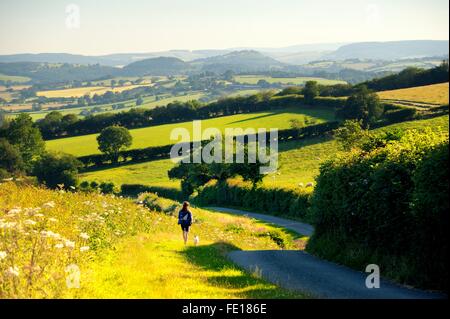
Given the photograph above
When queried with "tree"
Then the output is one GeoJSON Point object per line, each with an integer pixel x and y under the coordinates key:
{"type": "Point", "coordinates": [112, 140]}
{"type": "Point", "coordinates": [363, 105]}
{"type": "Point", "coordinates": [26, 137]}
{"type": "Point", "coordinates": [10, 157]}
{"type": "Point", "coordinates": [54, 169]}
{"type": "Point", "coordinates": [351, 134]}
{"type": "Point", "coordinates": [139, 101]}
{"type": "Point", "coordinates": [310, 91]}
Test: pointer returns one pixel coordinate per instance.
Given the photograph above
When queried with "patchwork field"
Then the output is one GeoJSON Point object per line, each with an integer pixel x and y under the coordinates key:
{"type": "Point", "coordinates": [299, 161]}
{"type": "Point", "coordinates": [160, 135]}
{"type": "Point", "coordinates": [91, 90]}
{"type": "Point", "coordinates": [13, 78]}
{"type": "Point", "coordinates": [149, 102]}
{"type": "Point", "coordinates": [253, 79]}
{"type": "Point", "coordinates": [432, 94]}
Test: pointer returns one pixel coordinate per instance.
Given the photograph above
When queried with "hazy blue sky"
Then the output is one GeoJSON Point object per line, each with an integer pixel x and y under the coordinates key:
{"type": "Point", "coordinates": [112, 26]}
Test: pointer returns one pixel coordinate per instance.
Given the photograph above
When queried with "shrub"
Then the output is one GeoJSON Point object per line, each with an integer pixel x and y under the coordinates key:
{"type": "Point", "coordinates": [280, 202]}
{"type": "Point", "coordinates": [400, 115]}
{"type": "Point", "coordinates": [363, 208]}
{"type": "Point", "coordinates": [55, 169]}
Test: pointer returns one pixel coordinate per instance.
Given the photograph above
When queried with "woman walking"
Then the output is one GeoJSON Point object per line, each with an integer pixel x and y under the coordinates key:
{"type": "Point", "coordinates": [185, 220]}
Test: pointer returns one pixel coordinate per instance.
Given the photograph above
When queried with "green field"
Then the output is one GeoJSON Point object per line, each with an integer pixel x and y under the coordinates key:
{"type": "Point", "coordinates": [299, 161]}
{"type": "Point", "coordinates": [253, 79]}
{"type": "Point", "coordinates": [149, 103]}
{"type": "Point", "coordinates": [160, 135]}
{"type": "Point", "coordinates": [13, 78]}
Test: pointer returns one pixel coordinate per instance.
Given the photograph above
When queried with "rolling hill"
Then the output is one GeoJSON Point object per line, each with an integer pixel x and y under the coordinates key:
{"type": "Point", "coordinates": [390, 50]}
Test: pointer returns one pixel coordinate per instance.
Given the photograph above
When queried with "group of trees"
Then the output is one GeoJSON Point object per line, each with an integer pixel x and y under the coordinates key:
{"type": "Point", "coordinates": [410, 77]}
{"type": "Point", "coordinates": [22, 152]}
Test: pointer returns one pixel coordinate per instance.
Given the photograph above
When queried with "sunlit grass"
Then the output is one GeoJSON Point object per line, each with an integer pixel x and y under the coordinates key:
{"type": "Point", "coordinates": [434, 94]}
{"type": "Point", "coordinates": [133, 252]}
{"type": "Point", "coordinates": [160, 135]}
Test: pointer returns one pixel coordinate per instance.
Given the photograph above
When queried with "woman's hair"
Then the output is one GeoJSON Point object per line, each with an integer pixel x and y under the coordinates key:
{"type": "Point", "coordinates": [185, 205]}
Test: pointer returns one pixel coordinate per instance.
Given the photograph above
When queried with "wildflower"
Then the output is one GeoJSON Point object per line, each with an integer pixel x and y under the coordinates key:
{"type": "Point", "coordinates": [49, 205]}
{"type": "Point", "coordinates": [13, 271]}
{"type": "Point", "coordinates": [84, 236]}
{"type": "Point", "coordinates": [29, 222]}
{"type": "Point", "coordinates": [14, 211]}
{"type": "Point", "coordinates": [3, 254]}
{"type": "Point", "coordinates": [59, 246]}
{"type": "Point", "coordinates": [53, 220]}
{"type": "Point", "coordinates": [84, 248]}
{"type": "Point", "coordinates": [39, 215]}
{"type": "Point", "coordinates": [7, 225]}
{"type": "Point", "coordinates": [69, 243]}
{"type": "Point", "coordinates": [50, 234]}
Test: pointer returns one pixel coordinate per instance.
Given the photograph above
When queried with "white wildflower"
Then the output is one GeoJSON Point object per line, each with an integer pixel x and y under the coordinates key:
{"type": "Point", "coordinates": [49, 205]}
{"type": "Point", "coordinates": [14, 211]}
{"type": "Point", "coordinates": [59, 246]}
{"type": "Point", "coordinates": [39, 215]}
{"type": "Point", "coordinates": [84, 236]}
{"type": "Point", "coordinates": [69, 243]}
{"type": "Point", "coordinates": [53, 220]}
{"type": "Point", "coordinates": [13, 271]}
{"type": "Point", "coordinates": [84, 248]}
{"type": "Point", "coordinates": [3, 254]}
{"type": "Point", "coordinates": [50, 234]}
{"type": "Point", "coordinates": [29, 222]}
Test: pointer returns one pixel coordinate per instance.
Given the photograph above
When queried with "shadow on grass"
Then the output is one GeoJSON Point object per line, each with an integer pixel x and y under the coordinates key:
{"type": "Point", "coordinates": [213, 258]}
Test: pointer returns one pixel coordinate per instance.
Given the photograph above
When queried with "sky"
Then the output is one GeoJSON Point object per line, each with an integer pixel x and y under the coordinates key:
{"type": "Point", "coordinates": [96, 27]}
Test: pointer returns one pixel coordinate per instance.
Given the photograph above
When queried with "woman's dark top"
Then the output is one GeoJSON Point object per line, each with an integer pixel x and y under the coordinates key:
{"type": "Point", "coordinates": [185, 217]}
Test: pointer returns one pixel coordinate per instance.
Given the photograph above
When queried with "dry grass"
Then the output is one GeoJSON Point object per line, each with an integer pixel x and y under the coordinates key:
{"type": "Point", "coordinates": [432, 94]}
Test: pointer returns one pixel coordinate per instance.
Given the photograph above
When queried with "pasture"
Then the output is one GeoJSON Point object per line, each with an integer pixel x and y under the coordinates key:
{"type": "Point", "coordinates": [14, 78]}
{"type": "Point", "coordinates": [89, 90]}
{"type": "Point", "coordinates": [253, 79]}
{"type": "Point", "coordinates": [149, 102]}
{"type": "Point", "coordinates": [299, 161]}
{"type": "Point", "coordinates": [160, 135]}
{"type": "Point", "coordinates": [436, 94]}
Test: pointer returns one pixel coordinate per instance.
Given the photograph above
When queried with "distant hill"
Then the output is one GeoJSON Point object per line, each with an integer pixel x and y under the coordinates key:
{"type": "Point", "coordinates": [390, 50]}
{"type": "Point", "coordinates": [156, 66]}
{"type": "Point", "coordinates": [239, 61]}
{"type": "Point", "coordinates": [51, 73]}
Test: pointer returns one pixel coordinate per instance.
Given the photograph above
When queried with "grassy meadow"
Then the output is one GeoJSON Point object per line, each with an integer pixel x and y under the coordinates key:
{"type": "Point", "coordinates": [160, 135]}
{"type": "Point", "coordinates": [299, 161]}
{"type": "Point", "coordinates": [253, 79]}
{"type": "Point", "coordinates": [124, 250]}
{"type": "Point", "coordinates": [432, 94]}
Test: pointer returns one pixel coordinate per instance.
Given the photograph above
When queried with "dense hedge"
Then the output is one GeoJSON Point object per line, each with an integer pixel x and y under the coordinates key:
{"type": "Point", "coordinates": [400, 115]}
{"type": "Point", "coordinates": [279, 202]}
{"type": "Point", "coordinates": [163, 152]}
{"type": "Point", "coordinates": [388, 207]}
{"type": "Point", "coordinates": [133, 190]}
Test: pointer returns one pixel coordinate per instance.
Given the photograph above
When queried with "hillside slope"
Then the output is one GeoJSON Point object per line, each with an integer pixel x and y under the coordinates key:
{"type": "Point", "coordinates": [121, 249]}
